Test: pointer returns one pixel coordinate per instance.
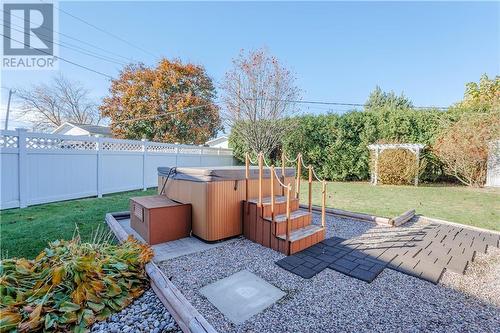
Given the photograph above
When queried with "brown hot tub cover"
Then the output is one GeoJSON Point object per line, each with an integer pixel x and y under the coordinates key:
{"type": "Point", "coordinates": [213, 174]}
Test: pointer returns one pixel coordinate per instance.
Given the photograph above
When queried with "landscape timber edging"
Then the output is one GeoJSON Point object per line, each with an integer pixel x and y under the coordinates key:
{"type": "Point", "coordinates": [186, 316]}
{"type": "Point", "coordinates": [403, 218]}
{"type": "Point", "coordinates": [352, 215]}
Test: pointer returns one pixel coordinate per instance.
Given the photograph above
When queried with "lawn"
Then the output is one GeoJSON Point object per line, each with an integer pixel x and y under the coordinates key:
{"type": "Point", "coordinates": [25, 232]}
{"type": "Point", "coordinates": [478, 207]}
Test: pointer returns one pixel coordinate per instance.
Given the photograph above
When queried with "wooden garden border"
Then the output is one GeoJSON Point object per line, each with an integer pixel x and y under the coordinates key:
{"type": "Point", "coordinates": [352, 215]}
{"type": "Point", "coordinates": [186, 316]}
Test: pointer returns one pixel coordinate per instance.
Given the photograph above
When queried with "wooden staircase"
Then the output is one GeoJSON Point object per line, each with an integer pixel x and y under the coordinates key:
{"type": "Point", "coordinates": [277, 221]}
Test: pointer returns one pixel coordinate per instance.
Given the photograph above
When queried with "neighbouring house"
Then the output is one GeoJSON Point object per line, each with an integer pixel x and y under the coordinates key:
{"type": "Point", "coordinates": [83, 129]}
{"type": "Point", "coordinates": [220, 142]}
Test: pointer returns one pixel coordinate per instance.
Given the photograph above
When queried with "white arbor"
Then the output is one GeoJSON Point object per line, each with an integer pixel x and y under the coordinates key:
{"type": "Point", "coordinates": [380, 147]}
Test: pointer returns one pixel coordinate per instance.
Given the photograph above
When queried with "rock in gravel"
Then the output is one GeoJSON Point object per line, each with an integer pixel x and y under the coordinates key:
{"type": "Point", "coordinates": [145, 314]}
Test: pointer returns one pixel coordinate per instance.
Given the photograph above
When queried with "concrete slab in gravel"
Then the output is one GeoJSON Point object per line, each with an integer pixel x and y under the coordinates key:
{"type": "Point", "coordinates": [173, 249]}
{"type": "Point", "coordinates": [241, 295]}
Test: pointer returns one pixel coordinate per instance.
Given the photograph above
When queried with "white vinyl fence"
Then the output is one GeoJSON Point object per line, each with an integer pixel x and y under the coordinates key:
{"type": "Point", "coordinates": [39, 168]}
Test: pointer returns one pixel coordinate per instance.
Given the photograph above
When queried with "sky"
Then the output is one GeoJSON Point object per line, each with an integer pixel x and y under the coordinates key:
{"type": "Point", "coordinates": [338, 51]}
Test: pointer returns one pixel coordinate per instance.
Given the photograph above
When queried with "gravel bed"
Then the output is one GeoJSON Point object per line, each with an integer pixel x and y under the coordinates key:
{"type": "Point", "coordinates": [332, 302]}
{"type": "Point", "coordinates": [145, 314]}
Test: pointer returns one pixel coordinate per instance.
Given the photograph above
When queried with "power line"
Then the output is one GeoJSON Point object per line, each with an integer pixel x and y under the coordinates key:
{"type": "Point", "coordinates": [64, 59]}
{"type": "Point", "coordinates": [75, 39]}
{"type": "Point", "coordinates": [75, 48]}
{"type": "Point", "coordinates": [163, 115]}
{"type": "Point", "coordinates": [338, 103]}
{"type": "Point", "coordinates": [104, 31]}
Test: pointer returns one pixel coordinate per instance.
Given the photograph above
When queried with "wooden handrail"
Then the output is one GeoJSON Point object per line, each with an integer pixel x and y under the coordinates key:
{"type": "Point", "coordinates": [247, 174]}
{"type": "Point", "coordinates": [283, 172]}
{"type": "Point", "coordinates": [310, 187]}
{"type": "Point", "coordinates": [272, 196]}
{"type": "Point", "coordinates": [323, 203]}
{"type": "Point", "coordinates": [260, 178]}
{"type": "Point", "coordinates": [288, 224]}
{"type": "Point", "coordinates": [299, 165]}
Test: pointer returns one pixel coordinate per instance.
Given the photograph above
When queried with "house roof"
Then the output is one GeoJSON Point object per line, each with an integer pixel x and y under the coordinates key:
{"type": "Point", "coordinates": [217, 140]}
{"type": "Point", "coordinates": [92, 129]}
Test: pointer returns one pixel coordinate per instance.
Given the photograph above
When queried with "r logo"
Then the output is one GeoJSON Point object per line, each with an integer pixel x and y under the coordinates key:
{"type": "Point", "coordinates": [28, 29]}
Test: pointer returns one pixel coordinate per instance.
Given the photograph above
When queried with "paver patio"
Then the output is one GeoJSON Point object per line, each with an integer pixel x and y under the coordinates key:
{"type": "Point", "coordinates": [424, 252]}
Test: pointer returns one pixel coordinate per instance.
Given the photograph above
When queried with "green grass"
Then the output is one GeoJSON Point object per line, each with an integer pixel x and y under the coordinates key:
{"type": "Point", "coordinates": [25, 232]}
{"type": "Point", "coordinates": [478, 207]}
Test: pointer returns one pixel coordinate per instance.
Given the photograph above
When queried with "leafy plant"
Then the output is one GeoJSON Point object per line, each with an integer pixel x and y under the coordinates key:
{"type": "Point", "coordinates": [463, 147]}
{"type": "Point", "coordinates": [397, 167]}
{"type": "Point", "coordinates": [70, 285]}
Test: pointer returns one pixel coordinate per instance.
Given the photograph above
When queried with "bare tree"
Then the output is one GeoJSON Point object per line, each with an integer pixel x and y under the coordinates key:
{"type": "Point", "coordinates": [258, 94]}
{"type": "Point", "coordinates": [62, 100]}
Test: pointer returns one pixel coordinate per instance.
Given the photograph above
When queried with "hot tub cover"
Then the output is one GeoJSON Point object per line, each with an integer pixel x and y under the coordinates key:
{"type": "Point", "coordinates": [212, 174]}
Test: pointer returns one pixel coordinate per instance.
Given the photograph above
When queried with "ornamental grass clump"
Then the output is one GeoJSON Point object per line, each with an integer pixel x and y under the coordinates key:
{"type": "Point", "coordinates": [70, 285]}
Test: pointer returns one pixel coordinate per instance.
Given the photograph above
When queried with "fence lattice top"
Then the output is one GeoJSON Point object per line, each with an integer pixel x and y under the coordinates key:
{"type": "Point", "coordinates": [43, 141]}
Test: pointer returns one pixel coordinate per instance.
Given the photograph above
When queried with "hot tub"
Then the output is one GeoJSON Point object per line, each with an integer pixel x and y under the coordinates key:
{"type": "Point", "coordinates": [216, 195]}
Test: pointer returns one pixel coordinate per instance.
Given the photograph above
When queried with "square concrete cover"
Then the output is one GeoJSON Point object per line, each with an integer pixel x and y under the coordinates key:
{"type": "Point", "coordinates": [241, 295]}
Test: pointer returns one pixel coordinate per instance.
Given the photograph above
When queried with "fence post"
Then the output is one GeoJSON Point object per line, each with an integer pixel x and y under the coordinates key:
{"type": "Point", "coordinates": [22, 167]}
{"type": "Point", "coordinates": [144, 151]}
{"type": "Point", "coordinates": [201, 156]}
{"type": "Point", "coordinates": [176, 154]}
{"type": "Point", "coordinates": [99, 165]}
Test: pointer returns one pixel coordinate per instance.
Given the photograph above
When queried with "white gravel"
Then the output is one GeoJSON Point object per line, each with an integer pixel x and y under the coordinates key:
{"type": "Point", "coordinates": [333, 302]}
{"type": "Point", "coordinates": [145, 314]}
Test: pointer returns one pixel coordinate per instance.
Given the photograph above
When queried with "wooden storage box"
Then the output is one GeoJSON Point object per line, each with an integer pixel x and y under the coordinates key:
{"type": "Point", "coordinates": [158, 219]}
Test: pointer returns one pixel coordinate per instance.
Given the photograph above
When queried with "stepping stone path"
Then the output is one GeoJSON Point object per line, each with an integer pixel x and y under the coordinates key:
{"type": "Point", "coordinates": [424, 252]}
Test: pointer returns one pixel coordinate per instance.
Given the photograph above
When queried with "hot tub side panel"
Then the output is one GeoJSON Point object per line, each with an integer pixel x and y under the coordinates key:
{"type": "Point", "coordinates": [194, 193]}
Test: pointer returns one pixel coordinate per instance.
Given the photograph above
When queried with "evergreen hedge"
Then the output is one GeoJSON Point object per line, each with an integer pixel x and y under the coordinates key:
{"type": "Point", "coordinates": [336, 145]}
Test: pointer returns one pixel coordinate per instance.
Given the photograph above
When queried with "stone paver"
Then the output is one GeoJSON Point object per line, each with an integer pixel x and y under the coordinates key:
{"type": "Point", "coordinates": [172, 249]}
{"type": "Point", "coordinates": [242, 295]}
{"type": "Point", "coordinates": [424, 252]}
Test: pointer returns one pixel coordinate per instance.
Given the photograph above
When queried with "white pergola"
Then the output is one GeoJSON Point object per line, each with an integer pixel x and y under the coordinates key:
{"type": "Point", "coordinates": [380, 147]}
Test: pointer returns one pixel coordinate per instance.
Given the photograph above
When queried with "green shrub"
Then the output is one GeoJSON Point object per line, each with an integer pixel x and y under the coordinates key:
{"type": "Point", "coordinates": [397, 167]}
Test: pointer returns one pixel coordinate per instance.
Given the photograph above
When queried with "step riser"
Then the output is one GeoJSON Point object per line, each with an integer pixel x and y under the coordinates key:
{"type": "Point", "coordinates": [296, 223]}
{"type": "Point", "coordinates": [280, 208]}
{"type": "Point", "coordinates": [289, 248]}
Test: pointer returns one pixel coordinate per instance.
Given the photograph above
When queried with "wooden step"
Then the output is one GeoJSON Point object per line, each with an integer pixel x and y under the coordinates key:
{"type": "Point", "coordinates": [298, 219]}
{"type": "Point", "coordinates": [300, 233]}
{"type": "Point", "coordinates": [300, 239]}
{"type": "Point", "coordinates": [279, 205]}
{"type": "Point", "coordinates": [267, 200]}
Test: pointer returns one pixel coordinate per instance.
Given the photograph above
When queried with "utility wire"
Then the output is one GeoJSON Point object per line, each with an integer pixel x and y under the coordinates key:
{"type": "Point", "coordinates": [76, 48]}
{"type": "Point", "coordinates": [104, 31]}
{"type": "Point", "coordinates": [64, 59]}
{"type": "Point", "coordinates": [75, 39]}
{"type": "Point", "coordinates": [337, 103]}
{"type": "Point", "coordinates": [163, 115]}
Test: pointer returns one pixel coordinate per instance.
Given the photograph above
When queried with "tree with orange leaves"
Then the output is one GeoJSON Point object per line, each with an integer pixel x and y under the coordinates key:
{"type": "Point", "coordinates": [172, 102]}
